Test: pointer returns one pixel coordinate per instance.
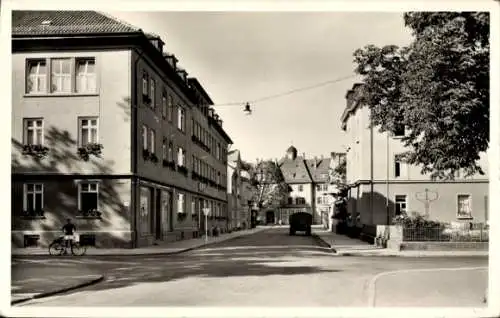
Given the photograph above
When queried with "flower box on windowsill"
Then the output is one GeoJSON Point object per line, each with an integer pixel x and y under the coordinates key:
{"type": "Point", "coordinates": [91, 214]}
{"type": "Point", "coordinates": [169, 164]}
{"type": "Point", "coordinates": [36, 151]}
{"type": "Point", "coordinates": [33, 215]}
{"type": "Point", "coordinates": [89, 149]}
{"type": "Point", "coordinates": [146, 99]}
{"type": "Point", "coordinates": [149, 156]}
{"type": "Point", "coordinates": [182, 170]}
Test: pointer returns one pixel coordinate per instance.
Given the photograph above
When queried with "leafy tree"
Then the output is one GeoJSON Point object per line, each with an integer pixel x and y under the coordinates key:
{"type": "Point", "coordinates": [269, 187]}
{"type": "Point", "coordinates": [438, 87]}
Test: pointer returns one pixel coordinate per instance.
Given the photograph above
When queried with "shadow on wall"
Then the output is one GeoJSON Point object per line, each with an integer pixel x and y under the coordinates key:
{"type": "Point", "coordinates": [368, 220]}
{"type": "Point", "coordinates": [61, 193]}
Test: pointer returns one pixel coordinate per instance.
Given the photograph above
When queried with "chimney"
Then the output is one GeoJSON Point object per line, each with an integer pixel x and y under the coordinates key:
{"type": "Point", "coordinates": [315, 162]}
{"type": "Point", "coordinates": [304, 155]}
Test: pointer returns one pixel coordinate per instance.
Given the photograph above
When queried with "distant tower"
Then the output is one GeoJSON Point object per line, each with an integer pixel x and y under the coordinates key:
{"type": "Point", "coordinates": [291, 153]}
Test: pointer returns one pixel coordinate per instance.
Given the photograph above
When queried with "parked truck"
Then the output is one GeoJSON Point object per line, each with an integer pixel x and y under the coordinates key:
{"type": "Point", "coordinates": [301, 221]}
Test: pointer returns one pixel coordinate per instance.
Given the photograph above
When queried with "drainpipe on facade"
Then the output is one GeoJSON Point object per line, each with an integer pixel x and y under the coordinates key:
{"type": "Point", "coordinates": [387, 182]}
{"type": "Point", "coordinates": [134, 182]}
{"type": "Point", "coordinates": [371, 166]}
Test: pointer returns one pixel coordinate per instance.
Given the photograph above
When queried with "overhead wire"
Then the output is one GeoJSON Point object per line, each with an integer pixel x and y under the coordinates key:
{"type": "Point", "coordinates": [253, 102]}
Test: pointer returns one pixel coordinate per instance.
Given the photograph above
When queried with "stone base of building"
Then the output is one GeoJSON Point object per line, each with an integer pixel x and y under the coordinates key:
{"type": "Point", "coordinates": [112, 239]}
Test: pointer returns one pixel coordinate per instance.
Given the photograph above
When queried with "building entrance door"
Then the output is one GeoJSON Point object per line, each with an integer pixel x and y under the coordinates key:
{"type": "Point", "coordinates": [158, 216]}
{"type": "Point", "coordinates": [270, 217]}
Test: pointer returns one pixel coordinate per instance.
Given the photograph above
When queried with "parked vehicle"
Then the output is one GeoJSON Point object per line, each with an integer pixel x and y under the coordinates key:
{"type": "Point", "coordinates": [300, 221]}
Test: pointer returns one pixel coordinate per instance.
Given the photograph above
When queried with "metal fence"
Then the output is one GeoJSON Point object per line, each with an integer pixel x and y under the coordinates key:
{"type": "Point", "coordinates": [469, 233]}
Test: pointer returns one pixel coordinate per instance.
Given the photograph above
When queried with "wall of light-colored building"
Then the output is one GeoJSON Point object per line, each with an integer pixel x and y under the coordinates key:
{"type": "Point", "coordinates": [410, 182]}
{"type": "Point", "coordinates": [60, 115]}
{"type": "Point", "coordinates": [443, 208]}
{"type": "Point", "coordinates": [306, 193]}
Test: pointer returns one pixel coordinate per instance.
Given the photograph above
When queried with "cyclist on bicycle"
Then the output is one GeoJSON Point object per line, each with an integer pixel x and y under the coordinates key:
{"type": "Point", "coordinates": [69, 229]}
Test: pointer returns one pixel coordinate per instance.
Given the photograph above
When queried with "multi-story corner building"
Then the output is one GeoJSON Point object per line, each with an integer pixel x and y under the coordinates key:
{"type": "Point", "coordinates": [239, 191]}
{"type": "Point", "coordinates": [109, 131]}
{"type": "Point", "coordinates": [382, 186]}
{"type": "Point", "coordinates": [308, 180]}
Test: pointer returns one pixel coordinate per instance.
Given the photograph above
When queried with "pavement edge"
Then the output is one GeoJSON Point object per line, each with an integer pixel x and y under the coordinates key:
{"type": "Point", "coordinates": [203, 245]}
{"type": "Point", "coordinates": [60, 291]}
{"type": "Point", "coordinates": [323, 242]}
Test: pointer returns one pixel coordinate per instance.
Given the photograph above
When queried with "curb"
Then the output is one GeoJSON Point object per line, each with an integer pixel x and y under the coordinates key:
{"type": "Point", "coordinates": [59, 291]}
{"type": "Point", "coordinates": [159, 253]}
{"type": "Point", "coordinates": [321, 241]}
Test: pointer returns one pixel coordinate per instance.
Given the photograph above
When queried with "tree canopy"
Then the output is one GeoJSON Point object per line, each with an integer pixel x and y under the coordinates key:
{"type": "Point", "coordinates": [269, 187]}
{"type": "Point", "coordinates": [437, 87]}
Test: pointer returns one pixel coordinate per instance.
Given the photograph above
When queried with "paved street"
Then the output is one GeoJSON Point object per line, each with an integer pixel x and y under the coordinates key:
{"type": "Point", "coordinates": [269, 268]}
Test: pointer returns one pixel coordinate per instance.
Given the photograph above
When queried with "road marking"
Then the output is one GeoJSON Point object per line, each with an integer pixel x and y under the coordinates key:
{"type": "Point", "coordinates": [373, 280]}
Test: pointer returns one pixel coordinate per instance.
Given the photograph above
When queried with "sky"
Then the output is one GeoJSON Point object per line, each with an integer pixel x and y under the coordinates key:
{"type": "Point", "coordinates": [245, 56]}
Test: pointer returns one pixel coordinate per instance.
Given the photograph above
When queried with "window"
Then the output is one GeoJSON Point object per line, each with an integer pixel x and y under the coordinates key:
{"type": "Point", "coordinates": [153, 94]}
{"type": "Point", "coordinates": [464, 206]}
{"type": "Point", "coordinates": [145, 84]}
{"type": "Point", "coordinates": [65, 75]}
{"type": "Point", "coordinates": [144, 137]}
{"type": "Point", "coordinates": [218, 177]}
{"type": "Point", "coordinates": [180, 203]}
{"type": "Point", "coordinates": [170, 151]}
{"type": "Point", "coordinates": [170, 108]}
{"type": "Point", "coordinates": [61, 75]}
{"type": "Point", "coordinates": [301, 188]}
{"type": "Point", "coordinates": [397, 167]}
{"type": "Point", "coordinates": [180, 156]}
{"type": "Point", "coordinates": [320, 200]}
{"type": "Point", "coordinates": [301, 201]}
{"type": "Point", "coordinates": [181, 118]}
{"type": "Point", "coordinates": [217, 153]}
{"type": "Point", "coordinates": [164, 151]}
{"type": "Point", "coordinates": [164, 106]}
{"type": "Point", "coordinates": [37, 77]}
{"type": "Point", "coordinates": [318, 187]}
{"type": "Point", "coordinates": [88, 131]}
{"type": "Point", "coordinates": [152, 141]}
{"type": "Point", "coordinates": [193, 206]}
{"type": "Point", "coordinates": [399, 131]}
{"type": "Point", "coordinates": [33, 198]}
{"type": "Point", "coordinates": [33, 131]}
{"type": "Point", "coordinates": [85, 76]}
{"type": "Point", "coordinates": [88, 197]}
{"type": "Point", "coordinates": [400, 204]}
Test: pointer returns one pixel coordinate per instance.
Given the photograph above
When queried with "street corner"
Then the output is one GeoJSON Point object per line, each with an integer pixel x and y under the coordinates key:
{"type": "Point", "coordinates": [23, 290]}
{"type": "Point", "coordinates": [448, 287]}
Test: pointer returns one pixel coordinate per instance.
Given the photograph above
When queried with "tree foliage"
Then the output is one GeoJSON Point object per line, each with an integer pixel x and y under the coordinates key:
{"type": "Point", "coordinates": [268, 184]}
{"type": "Point", "coordinates": [438, 87]}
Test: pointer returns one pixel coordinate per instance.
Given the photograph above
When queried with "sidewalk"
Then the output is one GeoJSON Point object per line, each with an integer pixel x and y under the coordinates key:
{"type": "Point", "coordinates": [343, 245]}
{"type": "Point", "coordinates": [167, 248]}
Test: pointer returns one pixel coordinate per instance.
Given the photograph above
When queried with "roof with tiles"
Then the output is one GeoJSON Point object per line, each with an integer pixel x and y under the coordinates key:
{"type": "Point", "coordinates": [51, 23]}
{"type": "Point", "coordinates": [294, 171]}
{"type": "Point", "coordinates": [318, 169]}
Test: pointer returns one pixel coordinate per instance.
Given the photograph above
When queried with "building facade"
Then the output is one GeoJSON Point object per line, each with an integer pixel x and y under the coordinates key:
{"type": "Point", "coordinates": [239, 192]}
{"type": "Point", "coordinates": [382, 186]}
{"type": "Point", "coordinates": [109, 131]}
{"type": "Point", "coordinates": [308, 180]}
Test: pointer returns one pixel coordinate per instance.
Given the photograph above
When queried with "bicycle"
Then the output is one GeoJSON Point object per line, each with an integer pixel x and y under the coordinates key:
{"type": "Point", "coordinates": [58, 247]}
